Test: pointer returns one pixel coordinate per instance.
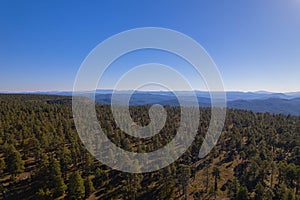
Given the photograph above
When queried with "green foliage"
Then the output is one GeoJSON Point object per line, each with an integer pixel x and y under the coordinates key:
{"type": "Point", "coordinates": [76, 189]}
{"type": "Point", "coordinates": [44, 194]}
{"type": "Point", "coordinates": [89, 186]}
{"type": "Point", "coordinates": [261, 149]}
{"type": "Point", "coordinates": [2, 165]}
{"type": "Point", "coordinates": [100, 177]}
{"type": "Point", "coordinates": [242, 193]}
{"type": "Point", "coordinates": [290, 175]}
{"type": "Point", "coordinates": [289, 195]}
{"type": "Point", "coordinates": [279, 191]}
{"type": "Point", "coordinates": [259, 191]}
{"type": "Point", "coordinates": [14, 162]}
{"type": "Point", "coordinates": [55, 176]}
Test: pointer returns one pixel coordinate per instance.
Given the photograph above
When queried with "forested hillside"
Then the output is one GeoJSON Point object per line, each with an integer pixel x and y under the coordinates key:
{"type": "Point", "coordinates": [42, 157]}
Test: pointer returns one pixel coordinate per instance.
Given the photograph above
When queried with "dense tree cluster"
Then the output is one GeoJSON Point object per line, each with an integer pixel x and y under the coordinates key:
{"type": "Point", "coordinates": [41, 155]}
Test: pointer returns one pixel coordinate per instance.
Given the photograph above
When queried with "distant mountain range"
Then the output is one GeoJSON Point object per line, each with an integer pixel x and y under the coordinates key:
{"type": "Point", "coordinates": [260, 101]}
{"type": "Point", "coordinates": [271, 105]}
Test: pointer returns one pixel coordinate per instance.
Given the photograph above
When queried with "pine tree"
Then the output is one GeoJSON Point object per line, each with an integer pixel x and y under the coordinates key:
{"type": "Point", "coordinates": [55, 176]}
{"type": "Point", "coordinates": [44, 194]}
{"type": "Point", "coordinates": [76, 190]}
{"type": "Point", "coordinates": [242, 193]}
{"type": "Point", "coordinates": [259, 191]}
{"type": "Point", "coordinates": [14, 162]}
{"type": "Point", "coordinates": [2, 166]}
{"type": "Point", "coordinates": [100, 177]}
{"type": "Point", "coordinates": [289, 195]}
{"type": "Point", "coordinates": [89, 186]}
{"type": "Point", "coordinates": [216, 174]}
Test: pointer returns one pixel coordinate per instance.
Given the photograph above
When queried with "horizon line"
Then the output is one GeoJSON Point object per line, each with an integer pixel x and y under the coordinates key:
{"type": "Point", "coordinates": [126, 90]}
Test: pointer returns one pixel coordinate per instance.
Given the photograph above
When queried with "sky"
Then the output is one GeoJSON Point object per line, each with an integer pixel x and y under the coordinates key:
{"type": "Point", "coordinates": [255, 44]}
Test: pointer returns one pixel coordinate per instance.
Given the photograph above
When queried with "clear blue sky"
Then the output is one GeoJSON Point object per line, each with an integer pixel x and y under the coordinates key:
{"type": "Point", "coordinates": [255, 43]}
